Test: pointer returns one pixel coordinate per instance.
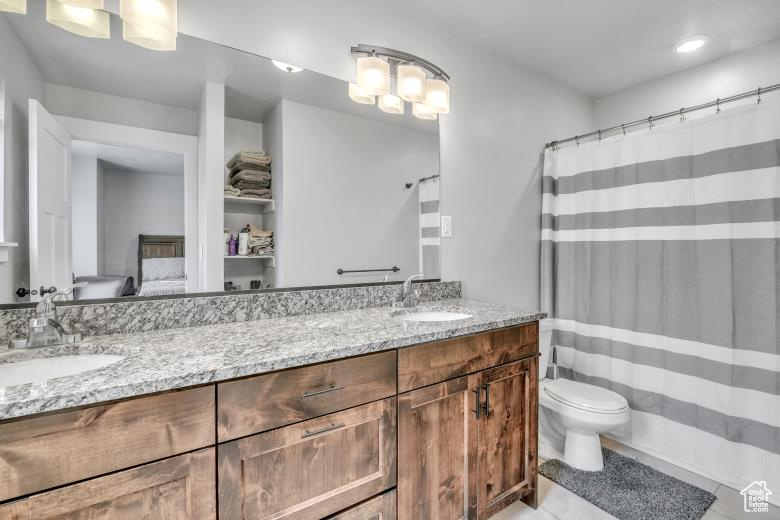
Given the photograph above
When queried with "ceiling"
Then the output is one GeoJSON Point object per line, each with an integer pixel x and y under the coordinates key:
{"type": "Point", "coordinates": [253, 84]}
{"type": "Point", "coordinates": [131, 160]}
{"type": "Point", "coordinates": [602, 46]}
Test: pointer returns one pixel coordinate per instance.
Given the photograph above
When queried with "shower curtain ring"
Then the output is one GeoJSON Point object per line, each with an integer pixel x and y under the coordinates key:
{"type": "Point", "coordinates": [623, 127]}
{"type": "Point", "coordinates": [599, 135]}
{"type": "Point", "coordinates": [577, 139]}
{"type": "Point", "coordinates": [650, 122]}
{"type": "Point", "coordinates": [759, 96]}
{"type": "Point", "coordinates": [682, 115]}
{"type": "Point", "coordinates": [717, 106]}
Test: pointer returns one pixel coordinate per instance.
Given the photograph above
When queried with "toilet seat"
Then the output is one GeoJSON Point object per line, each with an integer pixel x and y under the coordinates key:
{"type": "Point", "coordinates": [585, 397]}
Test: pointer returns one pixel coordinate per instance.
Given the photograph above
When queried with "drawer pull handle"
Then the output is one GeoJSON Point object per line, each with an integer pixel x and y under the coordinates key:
{"type": "Point", "coordinates": [486, 406]}
{"type": "Point", "coordinates": [330, 427]}
{"type": "Point", "coordinates": [331, 388]}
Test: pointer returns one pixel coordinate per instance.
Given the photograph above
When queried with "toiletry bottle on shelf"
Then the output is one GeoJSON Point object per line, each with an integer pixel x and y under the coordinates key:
{"type": "Point", "coordinates": [233, 246]}
{"type": "Point", "coordinates": [226, 239]}
{"type": "Point", "coordinates": [243, 242]}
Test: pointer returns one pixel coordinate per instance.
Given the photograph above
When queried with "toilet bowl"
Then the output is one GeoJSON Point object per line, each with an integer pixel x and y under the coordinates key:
{"type": "Point", "coordinates": [576, 413]}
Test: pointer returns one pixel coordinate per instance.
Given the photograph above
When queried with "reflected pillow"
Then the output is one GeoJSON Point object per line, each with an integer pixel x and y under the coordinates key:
{"type": "Point", "coordinates": [163, 269]}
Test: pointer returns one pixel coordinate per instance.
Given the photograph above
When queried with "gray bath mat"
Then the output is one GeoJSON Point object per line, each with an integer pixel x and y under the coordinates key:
{"type": "Point", "coordinates": [629, 490]}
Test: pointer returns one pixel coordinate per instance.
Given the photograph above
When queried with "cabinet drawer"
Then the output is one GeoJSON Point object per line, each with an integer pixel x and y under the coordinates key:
{"type": "Point", "coordinates": [181, 488]}
{"type": "Point", "coordinates": [261, 403]}
{"type": "Point", "coordinates": [439, 361]}
{"type": "Point", "coordinates": [52, 450]}
{"type": "Point", "coordinates": [311, 469]}
{"type": "Point", "coordinates": [382, 507]}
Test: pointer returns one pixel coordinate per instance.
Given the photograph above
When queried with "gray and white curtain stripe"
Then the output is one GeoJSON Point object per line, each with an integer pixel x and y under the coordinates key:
{"type": "Point", "coordinates": [430, 222]}
{"type": "Point", "coordinates": [660, 268]}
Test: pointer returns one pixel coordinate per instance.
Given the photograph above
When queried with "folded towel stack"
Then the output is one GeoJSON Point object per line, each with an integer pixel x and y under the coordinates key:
{"type": "Point", "coordinates": [250, 172]}
{"type": "Point", "coordinates": [230, 191]}
{"type": "Point", "coordinates": [261, 241]}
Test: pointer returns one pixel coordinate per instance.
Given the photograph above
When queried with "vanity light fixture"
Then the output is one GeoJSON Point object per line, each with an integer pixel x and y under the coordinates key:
{"type": "Point", "coordinates": [691, 44]}
{"type": "Point", "coordinates": [418, 81]}
{"type": "Point", "coordinates": [84, 21]}
{"type": "Point", "coordinates": [373, 75]}
{"type": "Point", "coordinates": [292, 69]}
{"type": "Point", "coordinates": [14, 6]}
{"type": "Point", "coordinates": [86, 4]}
{"type": "Point", "coordinates": [423, 111]}
{"type": "Point", "coordinates": [150, 23]}
{"type": "Point", "coordinates": [391, 104]}
{"type": "Point", "coordinates": [359, 95]}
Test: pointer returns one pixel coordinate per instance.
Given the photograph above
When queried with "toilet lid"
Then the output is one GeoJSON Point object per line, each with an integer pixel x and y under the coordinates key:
{"type": "Point", "coordinates": [585, 396]}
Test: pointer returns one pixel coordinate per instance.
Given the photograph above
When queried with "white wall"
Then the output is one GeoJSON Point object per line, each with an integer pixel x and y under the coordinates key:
{"type": "Point", "coordinates": [23, 81]}
{"type": "Point", "coordinates": [345, 204]}
{"type": "Point", "coordinates": [136, 203]}
{"type": "Point", "coordinates": [96, 106]}
{"type": "Point", "coordinates": [88, 247]}
{"type": "Point", "coordinates": [739, 72]}
{"type": "Point", "coordinates": [490, 145]}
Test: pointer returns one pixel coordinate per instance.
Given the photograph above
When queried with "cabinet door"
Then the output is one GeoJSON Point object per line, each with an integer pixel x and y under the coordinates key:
{"type": "Point", "coordinates": [181, 488]}
{"type": "Point", "coordinates": [311, 469]}
{"type": "Point", "coordinates": [436, 443]}
{"type": "Point", "coordinates": [507, 436]}
{"type": "Point", "coordinates": [382, 507]}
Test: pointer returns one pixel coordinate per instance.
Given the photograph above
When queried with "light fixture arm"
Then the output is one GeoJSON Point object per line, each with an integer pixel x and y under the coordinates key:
{"type": "Point", "coordinates": [401, 57]}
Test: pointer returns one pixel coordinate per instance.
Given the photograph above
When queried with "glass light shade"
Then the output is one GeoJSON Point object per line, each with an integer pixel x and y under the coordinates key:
{"type": "Point", "coordinates": [390, 104]}
{"type": "Point", "coordinates": [14, 6]}
{"type": "Point", "coordinates": [153, 17]}
{"type": "Point", "coordinates": [437, 96]}
{"type": "Point", "coordinates": [78, 20]}
{"type": "Point", "coordinates": [422, 111]}
{"type": "Point", "coordinates": [373, 75]}
{"type": "Point", "coordinates": [149, 38]}
{"type": "Point", "coordinates": [411, 83]}
{"type": "Point", "coordinates": [86, 4]}
{"type": "Point", "coordinates": [359, 95]}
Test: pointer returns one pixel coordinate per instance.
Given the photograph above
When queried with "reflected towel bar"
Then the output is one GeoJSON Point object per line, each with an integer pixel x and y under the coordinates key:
{"type": "Point", "coordinates": [395, 269]}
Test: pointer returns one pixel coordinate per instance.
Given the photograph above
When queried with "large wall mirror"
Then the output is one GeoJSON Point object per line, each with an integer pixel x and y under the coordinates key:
{"type": "Point", "coordinates": [141, 165]}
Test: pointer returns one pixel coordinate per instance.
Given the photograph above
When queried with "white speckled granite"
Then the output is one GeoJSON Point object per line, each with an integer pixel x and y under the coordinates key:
{"type": "Point", "coordinates": [126, 317]}
{"type": "Point", "coordinates": [176, 358]}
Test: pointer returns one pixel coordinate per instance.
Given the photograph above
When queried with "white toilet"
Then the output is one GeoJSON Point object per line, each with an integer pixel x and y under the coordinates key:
{"type": "Point", "coordinates": [573, 414]}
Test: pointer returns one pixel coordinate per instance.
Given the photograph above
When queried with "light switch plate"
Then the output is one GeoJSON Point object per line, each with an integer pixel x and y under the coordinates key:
{"type": "Point", "coordinates": [446, 227]}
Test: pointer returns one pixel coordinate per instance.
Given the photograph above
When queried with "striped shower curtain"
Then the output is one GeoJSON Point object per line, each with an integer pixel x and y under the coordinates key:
{"type": "Point", "coordinates": [430, 235]}
{"type": "Point", "coordinates": [661, 271]}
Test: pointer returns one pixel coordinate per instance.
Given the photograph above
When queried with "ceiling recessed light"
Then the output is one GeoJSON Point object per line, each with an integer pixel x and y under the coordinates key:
{"type": "Point", "coordinates": [286, 67]}
{"type": "Point", "coordinates": [691, 44]}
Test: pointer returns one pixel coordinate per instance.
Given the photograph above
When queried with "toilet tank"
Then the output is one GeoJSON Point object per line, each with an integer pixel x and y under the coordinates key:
{"type": "Point", "coordinates": [545, 340]}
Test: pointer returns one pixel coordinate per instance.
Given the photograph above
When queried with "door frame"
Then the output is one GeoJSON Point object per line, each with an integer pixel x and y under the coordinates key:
{"type": "Point", "coordinates": [158, 140]}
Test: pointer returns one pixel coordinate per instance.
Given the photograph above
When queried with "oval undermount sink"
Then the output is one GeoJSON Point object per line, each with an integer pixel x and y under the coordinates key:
{"type": "Point", "coordinates": [435, 316]}
{"type": "Point", "coordinates": [43, 369]}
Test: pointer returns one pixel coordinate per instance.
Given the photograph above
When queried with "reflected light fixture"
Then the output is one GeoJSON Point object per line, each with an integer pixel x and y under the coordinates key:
{"type": "Point", "coordinates": [14, 6]}
{"type": "Point", "coordinates": [292, 69]}
{"type": "Point", "coordinates": [411, 83]}
{"type": "Point", "coordinates": [373, 75]}
{"type": "Point", "coordinates": [423, 111]}
{"type": "Point", "coordinates": [150, 23]}
{"type": "Point", "coordinates": [417, 81]}
{"type": "Point", "coordinates": [691, 44]}
{"type": "Point", "coordinates": [437, 96]}
{"type": "Point", "coordinates": [83, 21]}
{"type": "Point", "coordinates": [359, 95]}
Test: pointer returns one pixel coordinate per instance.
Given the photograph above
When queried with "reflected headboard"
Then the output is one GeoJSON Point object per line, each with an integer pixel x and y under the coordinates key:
{"type": "Point", "coordinates": [158, 246]}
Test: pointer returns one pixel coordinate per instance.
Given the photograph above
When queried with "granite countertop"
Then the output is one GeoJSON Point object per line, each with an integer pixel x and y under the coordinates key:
{"type": "Point", "coordinates": [178, 358]}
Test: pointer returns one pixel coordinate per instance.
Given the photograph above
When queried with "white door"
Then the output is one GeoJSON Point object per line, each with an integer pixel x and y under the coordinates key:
{"type": "Point", "coordinates": [50, 201]}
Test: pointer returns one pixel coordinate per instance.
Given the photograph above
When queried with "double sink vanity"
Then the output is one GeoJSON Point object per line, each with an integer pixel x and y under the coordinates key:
{"type": "Point", "coordinates": [372, 413]}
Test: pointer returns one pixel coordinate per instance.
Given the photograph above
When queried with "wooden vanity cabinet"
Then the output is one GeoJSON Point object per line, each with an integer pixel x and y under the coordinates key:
{"type": "Point", "coordinates": [179, 488]}
{"type": "Point", "coordinates": [468, 446]}
{"type": "Point", "coordinates": [312, 469]}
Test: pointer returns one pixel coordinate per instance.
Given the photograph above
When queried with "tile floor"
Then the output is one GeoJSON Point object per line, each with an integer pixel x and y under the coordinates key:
{"type": "Point", "coordinates": [558, 503]}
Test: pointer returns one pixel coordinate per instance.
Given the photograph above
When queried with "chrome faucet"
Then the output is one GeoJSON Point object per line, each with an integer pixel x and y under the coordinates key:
{"type": "Point", "coordinates": [409, 297]}
{"type": "Point", "coordinates": [44, 330]}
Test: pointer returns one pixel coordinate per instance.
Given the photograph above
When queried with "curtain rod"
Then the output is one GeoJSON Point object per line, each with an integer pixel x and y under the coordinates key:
{"type": "Point", "coordinates": [677, 113]}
